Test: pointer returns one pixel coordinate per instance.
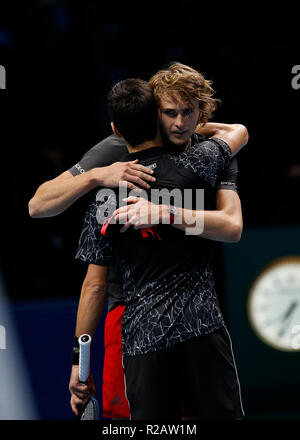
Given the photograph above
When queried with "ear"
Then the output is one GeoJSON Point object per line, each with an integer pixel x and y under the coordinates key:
{"type": "Point", "coordinates": [115, 130]}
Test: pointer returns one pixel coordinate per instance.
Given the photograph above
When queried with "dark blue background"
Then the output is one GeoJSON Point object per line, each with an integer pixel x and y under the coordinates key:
{"type": "Point", "coordinates": [46, 331]}
{"type": "Point", "coordinates": [54, 109]}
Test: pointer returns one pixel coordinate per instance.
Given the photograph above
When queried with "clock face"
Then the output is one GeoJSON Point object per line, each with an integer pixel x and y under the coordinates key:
{"type": "Point", "coordinates": [274, 304]}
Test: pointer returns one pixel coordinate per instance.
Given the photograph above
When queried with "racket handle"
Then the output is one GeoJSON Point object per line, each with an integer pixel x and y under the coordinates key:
{"type": "Point", "coordinates": [84, 357]}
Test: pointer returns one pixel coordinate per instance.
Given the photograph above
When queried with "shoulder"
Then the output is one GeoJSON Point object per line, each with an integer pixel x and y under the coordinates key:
{"type": "Point", "coordinates": [209, 145]}
{"type": "Point", "coordinates": [210, 151]}
{"type": "Point", "coordinates": [206, 158]}
{"type": "Point", "coordinates": [111, 149]}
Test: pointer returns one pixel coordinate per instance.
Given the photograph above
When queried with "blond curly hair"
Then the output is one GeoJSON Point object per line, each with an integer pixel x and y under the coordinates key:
{"type": "Point", "coordinates": [181, 82]}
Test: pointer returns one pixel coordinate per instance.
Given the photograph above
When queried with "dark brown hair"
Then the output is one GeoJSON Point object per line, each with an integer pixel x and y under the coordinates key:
{"type": "Point", "coordinates": [133, 110]}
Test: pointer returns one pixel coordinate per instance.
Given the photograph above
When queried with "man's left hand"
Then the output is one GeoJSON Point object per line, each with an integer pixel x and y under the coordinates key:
{"type": "Point", "coordinates": [139, 213]}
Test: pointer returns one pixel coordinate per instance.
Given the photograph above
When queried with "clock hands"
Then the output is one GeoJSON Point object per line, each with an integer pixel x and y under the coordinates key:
{"type": "Point", "coordinates": [274, 304]}
{"type": "Point", "coordinates": [285, 317]}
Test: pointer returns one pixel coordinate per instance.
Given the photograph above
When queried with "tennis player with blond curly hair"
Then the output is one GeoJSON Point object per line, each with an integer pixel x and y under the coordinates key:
{"type": "Point", "coordinates": [175, 346]}
{"type": "Point", "coordinates": [176, 88]}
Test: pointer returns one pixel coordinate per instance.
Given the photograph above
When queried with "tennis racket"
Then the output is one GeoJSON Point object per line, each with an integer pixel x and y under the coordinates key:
{"type": "Point", "coordinates": [89, 411]}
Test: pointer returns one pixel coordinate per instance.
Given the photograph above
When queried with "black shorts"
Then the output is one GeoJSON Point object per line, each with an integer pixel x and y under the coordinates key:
{"type": "Point", "coordinates": [196, 379]}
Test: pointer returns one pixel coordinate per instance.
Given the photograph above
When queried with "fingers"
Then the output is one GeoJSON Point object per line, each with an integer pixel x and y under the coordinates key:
{"type": "Point", "coordinates": [82, 390]}
{"type": "Point", "coordinates": [79, 397]}
{"type": "Point", "coordinates": [135, 223]}
{"type": "Point", "coordinates": [130, 173]}
{"type": "Point", "coordinates": [126, 184]}
{"type": "Point", "coordinates": [144, 171]}
{"type": "Point", "coordinates": [77, 404]}
{"type": "Point", "coordinates": [139, 174]}
{"type": "Point", "coordinates": [125, 227]}
{"type": "Point", "coordinates": [120, 211]}
{"type": "Point", "coordinates": [125, 210]}
{"type": "Point", "coordinates": [131, 199]}
{"type": "Point", "coordinates": [81, 393]}
{"type": "Point", "coordinates": [130, 177]}
{"type": "Point", "coordinates": [122, 218]}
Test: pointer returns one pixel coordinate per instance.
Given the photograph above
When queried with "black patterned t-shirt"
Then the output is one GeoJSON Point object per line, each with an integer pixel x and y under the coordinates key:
{"type": "Point", "coordinates": [167, 275]}
{"type": "Point", "coordinates": [113, 149]}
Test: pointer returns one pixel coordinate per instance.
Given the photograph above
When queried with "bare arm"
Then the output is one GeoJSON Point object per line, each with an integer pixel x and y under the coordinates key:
{"type": "Point", "coordinates": [92, 300]}
{"type": "Point", "coordinates": [235, 135]}
{"type": "Point", "coordinates": [55, 196]}
{"type": "Point", "coordinates": [223, 224]}
{"type": "Point", "coordinates": [90, 308]}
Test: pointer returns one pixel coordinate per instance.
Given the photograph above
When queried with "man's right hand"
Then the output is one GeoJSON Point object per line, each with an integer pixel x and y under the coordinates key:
{"type": "Point", "coordinates": [127, 174]}
{"type": "Point", "coordinates": [80, 392]}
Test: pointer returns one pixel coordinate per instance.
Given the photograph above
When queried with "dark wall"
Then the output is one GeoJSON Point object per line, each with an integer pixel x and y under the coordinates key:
{"type": "Point", "coordinates": [62, 57]}
{"type": "Point", "coordinates": [61, 60]}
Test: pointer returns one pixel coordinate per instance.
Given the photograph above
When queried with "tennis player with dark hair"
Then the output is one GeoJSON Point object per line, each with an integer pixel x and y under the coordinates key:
{"type": "Point", "coordinates": [95, 169]}
{"type": "Point", "coordinates": [175, 344]}
{"type": "Point", "coordinates": [225, 224]}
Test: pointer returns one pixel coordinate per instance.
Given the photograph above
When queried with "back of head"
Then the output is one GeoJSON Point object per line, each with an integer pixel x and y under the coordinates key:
{"type": "Point", "coordinates": [133, 110]}
{"type": "Point", "coordinates": [183, 83]}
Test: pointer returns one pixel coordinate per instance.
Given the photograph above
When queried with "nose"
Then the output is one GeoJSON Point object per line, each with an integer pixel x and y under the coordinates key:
{"type": "Point", "coordinates": [179, 122]}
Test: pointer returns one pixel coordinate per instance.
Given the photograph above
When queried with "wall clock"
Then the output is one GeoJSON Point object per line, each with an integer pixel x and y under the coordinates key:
{"type": "Point", "coordinates": [273, 304]}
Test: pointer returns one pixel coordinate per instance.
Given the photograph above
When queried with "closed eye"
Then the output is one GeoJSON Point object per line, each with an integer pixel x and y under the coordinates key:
{"type": "Point", "coordinates": [187, 112]}
{"type": "Point", "coordinates": [170, 113]}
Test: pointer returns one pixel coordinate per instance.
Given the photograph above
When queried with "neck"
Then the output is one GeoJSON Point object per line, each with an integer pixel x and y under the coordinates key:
{"type": "Point", "coordinates": [173, 148]}
{"type": "Point", "coordinates": [187, 145]}
{"type": "Point", "coordinates": [157, 142]}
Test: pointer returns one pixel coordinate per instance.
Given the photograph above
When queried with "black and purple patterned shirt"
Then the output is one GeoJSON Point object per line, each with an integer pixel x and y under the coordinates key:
{"type": "Point", "coordinates": [168, 279]}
